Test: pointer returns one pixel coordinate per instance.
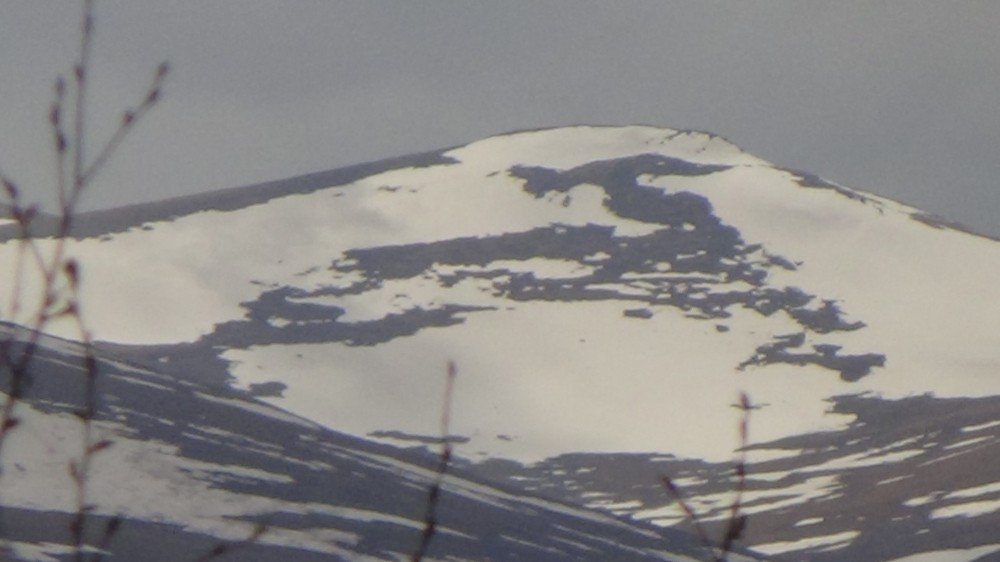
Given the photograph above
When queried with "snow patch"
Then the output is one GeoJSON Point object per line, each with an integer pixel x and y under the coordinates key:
{"type": "Point", "coordinates": [831, 542]}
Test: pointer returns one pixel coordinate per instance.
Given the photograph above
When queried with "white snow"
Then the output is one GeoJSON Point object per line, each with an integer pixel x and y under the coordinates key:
{"type": "Point", "coordinates": [968, 442]}
{"type": "Point", "coordinates": [992, 488]}
{"type": "Point", "coordinates": [952, 555]}
{"type": "Point", "coordinates": [980, 427]}
{"type": "Point", "coordinates": [532, 373]}
{"type": "Point", "coordinates": [186, 284]}
{"type": "Point", "coordinates": [962, 509]}
{"type": "Point", "coordinates": [866, 458]}
{"type": "Point", "coordinates": [917, 288]}
{"type": "Point", "coordinates": [540, 268]}
{"type": "Point", "coordinates": [149, 480]}
{"type": "Point", "coordinates": [143, 382]}
{"type": "Point", "coordinates": [569, 147]}
{"type": "Point", "coordinates": [39, 552]}
{"type": "Point", "coordinates": [754, 501]}
{"type": "Point", "coordinates": [948, 508]}
{"type": "Point", "coordinates": [923, 500]}
{"type": "Point", "coordinates": [969, 509]}
{"type": "Point", "coordinates": [836, 540]}
{"type": "Point", "coordinates": [396, 296]}
{"type": "Point", "coordinates": [893, 479]}
{"type": "Point", "coordinates": [258, 409]}
{"type": "Point", "coordinates": [561, 378]}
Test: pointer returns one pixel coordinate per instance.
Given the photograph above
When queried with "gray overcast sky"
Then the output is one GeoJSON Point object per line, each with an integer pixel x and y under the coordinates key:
{"type": "Point", "coordinates": [899, 98]}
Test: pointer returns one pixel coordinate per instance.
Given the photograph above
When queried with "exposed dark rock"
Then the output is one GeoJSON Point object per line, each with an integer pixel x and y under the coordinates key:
{"type": "Point", "coordinates": [850, 367]}
{"type": "Point", "coordinates": [638, 313]}
{"type": "Point", "coordinates": [274, 389]}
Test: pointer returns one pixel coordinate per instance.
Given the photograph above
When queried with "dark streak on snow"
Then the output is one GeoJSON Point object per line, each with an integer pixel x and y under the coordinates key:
{"type": "Point", "coordinates": [851, 367]}
{"type": "Point", "coordinates": [425, 439]}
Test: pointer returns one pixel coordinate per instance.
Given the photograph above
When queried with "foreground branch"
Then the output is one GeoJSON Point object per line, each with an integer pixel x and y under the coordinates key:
{"type": "Point", "coordinates": [434, 493]}
{"type": "Point", "coordinates": [737, 521]}
{"type": "Point", "coordinates": [58, 276]}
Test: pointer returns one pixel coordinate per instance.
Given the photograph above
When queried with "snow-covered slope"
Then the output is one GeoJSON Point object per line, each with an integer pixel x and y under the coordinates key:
{"type": "Point", "coordinates": [192, 467]}
{"type": "Point", "coordinates": [604, 291]}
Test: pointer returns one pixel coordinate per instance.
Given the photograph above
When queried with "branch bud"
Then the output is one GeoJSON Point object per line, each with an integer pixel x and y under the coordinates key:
{"type": "Point", "coordinates": [10, 188]}
{"type": "Point", "coordinates": [72, 271]}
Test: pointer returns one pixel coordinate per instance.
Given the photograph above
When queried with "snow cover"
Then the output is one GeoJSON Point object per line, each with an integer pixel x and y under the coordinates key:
{"type": "Point", "coordinates": [568, 147]}
{"type": "Point", "coordinates": [529, 373]}
{"type": "Point", "coordinates": [928, 295]}
{"type": "Point", "coordinates": [139, 479]}
{"type": "Point", "coordinates": [980, 427]}
{"type": "Point", "coordinates": [963, 509]}
{"type": "Point", "coordinates": [955, 555]}
{"type": "Point", "coordinates": [812, 489]}
{"type": "Point", "coordinates": [830, 542]}
{"type": "Point", "coordinates": [558, 378]}
{"type": "Point", "coordinates": [539, 378]}
{"type": "Point", "coordinates": [39, 552]}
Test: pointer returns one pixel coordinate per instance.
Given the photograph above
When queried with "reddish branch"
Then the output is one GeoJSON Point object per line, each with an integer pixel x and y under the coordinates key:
{"type": "Point", "coordinates": [434, 493]}
{"type": "Point", "coordinates": [737, 521]}
{"type": "Point", "coordinates": [59, 275]}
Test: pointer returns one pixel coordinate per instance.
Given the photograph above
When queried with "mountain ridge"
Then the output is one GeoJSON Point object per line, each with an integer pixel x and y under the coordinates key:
{"type": "Point", "coordinates": [607, 292]}
{"type": "Point", "coordinates": [116, 219]}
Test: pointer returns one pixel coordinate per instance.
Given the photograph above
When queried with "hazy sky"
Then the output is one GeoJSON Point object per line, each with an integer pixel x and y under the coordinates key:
{"type": "Point", "coordinates": [900, 98]}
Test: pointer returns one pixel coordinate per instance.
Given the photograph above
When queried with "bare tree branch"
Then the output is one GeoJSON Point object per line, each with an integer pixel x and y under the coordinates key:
{"type": "Point", "coordinates": [434, 492]}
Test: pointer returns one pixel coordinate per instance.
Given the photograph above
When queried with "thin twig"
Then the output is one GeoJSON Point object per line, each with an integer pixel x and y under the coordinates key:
{"type": "Point", "coordinates": [59, 275]}
{"type": "Point", "coordinates": [81, 470]}
{"type": "Point", "coordinates": [80, 74]}
{"type": "Point", "coordinates": [128, 122]}
{"type": "Point", "coordinates": [737, 521]}
{"type": "Point", "coordinates": [227, 547]}
{"type": "Point", "coordinates": [434, 493]}
{"type": "Point", "coordinates": [690, 513]}
{"type": "Point", "coordinates": [59, 139]}
{"type": "Point", "coordinates": [110, 530]}
{"type": "Point", "coordinates": [14, 308]}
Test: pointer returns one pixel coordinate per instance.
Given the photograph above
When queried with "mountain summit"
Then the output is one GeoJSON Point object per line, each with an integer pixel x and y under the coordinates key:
{"type": "Point", "coordinates": [607, 293]}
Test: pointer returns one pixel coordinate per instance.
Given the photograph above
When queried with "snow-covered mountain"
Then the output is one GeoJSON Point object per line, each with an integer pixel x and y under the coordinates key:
{"type": "Point", "coordinates": [607, 293]}
{"type": "Point", "coordinates": [193, 467]}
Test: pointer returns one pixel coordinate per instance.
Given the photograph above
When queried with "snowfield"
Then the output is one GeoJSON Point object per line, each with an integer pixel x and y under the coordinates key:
{"type": "Point", "coordinates": [604, 291]}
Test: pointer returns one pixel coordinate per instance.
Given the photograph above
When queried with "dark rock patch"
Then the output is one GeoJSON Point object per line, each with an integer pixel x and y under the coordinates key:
{"type": "Point", "coordinates": [273, 389]}
{"type": "Point", "coordinates": [643, 313]}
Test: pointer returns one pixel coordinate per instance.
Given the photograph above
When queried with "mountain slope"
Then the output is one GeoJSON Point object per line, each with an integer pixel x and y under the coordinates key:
{"type": "Point", "coordinates": [193, 466]}
{"type": "Point", "coordinates": [605, 292]}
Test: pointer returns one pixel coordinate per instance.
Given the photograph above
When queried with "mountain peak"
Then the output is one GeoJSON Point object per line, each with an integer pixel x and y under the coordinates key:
{"type": "Point", "coordinates": [568, 147]}
{"type": "Point", "coordinates": [606, 291]}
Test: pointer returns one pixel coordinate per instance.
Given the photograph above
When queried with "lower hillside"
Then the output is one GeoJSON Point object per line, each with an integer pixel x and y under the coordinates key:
{"type": "Point", "coordinates": [908, 478]}
{"type": "Point", "coordinates": [194, 466]}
